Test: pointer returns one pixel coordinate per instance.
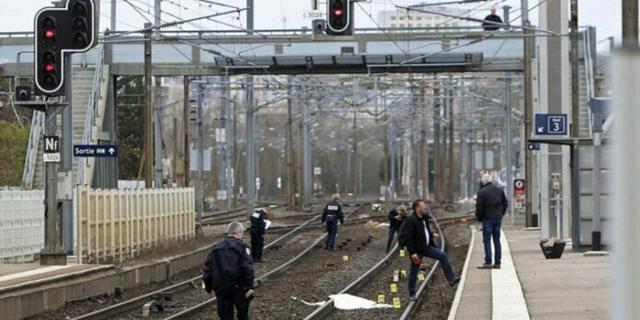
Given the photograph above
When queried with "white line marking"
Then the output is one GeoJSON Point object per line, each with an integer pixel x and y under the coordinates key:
{"type": "Point", "coordinates": [463, 278]}
{"type": "Point", "coordinates": [508, 299]}
{"type": "Point", "coordinates": [32, 272]}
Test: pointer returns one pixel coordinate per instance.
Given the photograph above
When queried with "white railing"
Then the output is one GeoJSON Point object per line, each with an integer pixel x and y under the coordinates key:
{"type": "Point", "coordinates": [21, 225]}
{"type": "Point", "coordinates": [37, 128]}
{"type": "Point", "coordinates": [113, 225]}
{"type": "Point", "coordinates": [90, 118]}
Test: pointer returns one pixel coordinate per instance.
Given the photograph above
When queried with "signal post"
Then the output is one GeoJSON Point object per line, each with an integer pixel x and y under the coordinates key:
{"type": "Point", "coordinates": [68, 27]}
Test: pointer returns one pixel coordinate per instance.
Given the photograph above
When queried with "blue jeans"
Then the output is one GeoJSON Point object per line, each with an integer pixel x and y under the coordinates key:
{"type": "Point", "coordinates": [491, 230]}
{"type": "Point", "coordinates": [434, 253]}
{"type": "Point", "coordinates": [332, 229]}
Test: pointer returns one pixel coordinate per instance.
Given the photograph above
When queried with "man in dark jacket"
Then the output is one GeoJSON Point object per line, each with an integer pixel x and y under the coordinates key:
{"type": "Point", "coordinates": [228, 274]}
{"type": "Point", "coordinates": [396, 217]}
{"type": "Point", "coordinates": [491, 205]}
{"type": "Point", "coordinates": [331, 215]}
{"type": "Point", "coordinates": [492, 22]}
{"type": "Point", "coordinates": [415, 234]}
{"type": "Point", "coordinates": [258, 229]}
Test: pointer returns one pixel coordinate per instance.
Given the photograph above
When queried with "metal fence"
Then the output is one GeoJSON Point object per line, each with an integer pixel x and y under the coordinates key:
{"type": "Point", "coordinates": [113, 225]}
{"type": "Point", "coordinates": [21, 225]}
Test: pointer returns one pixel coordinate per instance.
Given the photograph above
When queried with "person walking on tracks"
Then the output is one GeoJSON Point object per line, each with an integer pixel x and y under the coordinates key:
{"type": "Point", "coordinates": [416, 236]}
{"type": "Point", "coordinates": [228, 274]}
{"type": "Point", "coordinates": [331, 215]}
{"type": "Point", "coordinates": [259, 226]}
{"type": "Point", "coordinates": [491, 205]}
{"type": "Point", "coordinates": [396, 217]}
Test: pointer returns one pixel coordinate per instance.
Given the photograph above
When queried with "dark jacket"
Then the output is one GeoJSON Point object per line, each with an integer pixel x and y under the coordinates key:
{"type": "Point", "coordinates": [258, 223]}
{"type": "Point", "coordinates": [488, 24]}
{"type": "Point", "coordinates": [412, 234]}
{"type": "Point", "coordinates": [228, 267]}
{"type": "Point", "coordinates": [393, 223]}
{"type": "Point", "coordinates": [333, 212]}
{"type": "Point", "coordinates": [491, 203]}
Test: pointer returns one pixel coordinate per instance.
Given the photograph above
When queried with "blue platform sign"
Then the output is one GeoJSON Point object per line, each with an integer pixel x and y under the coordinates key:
{"type": "Point", "coordinates": [95, 150]}
{"type": "Point", "coordinates": [551, 124]}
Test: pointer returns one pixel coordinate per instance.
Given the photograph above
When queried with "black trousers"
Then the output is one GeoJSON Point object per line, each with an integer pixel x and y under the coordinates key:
{"type": "Point", "coordinates": [257, 244]}
{"type": "Point", "coordinates": [392, 233]}
{"type": "Point", "coordinates": [227, 303]}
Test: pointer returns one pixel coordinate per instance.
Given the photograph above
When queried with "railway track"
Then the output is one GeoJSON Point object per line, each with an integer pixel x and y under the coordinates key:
{"type": "Point", "coordinates": [153, 299]}
{"type": "Point", "coordinates": [189, 312]}
{"type": "Point", "coordinates": [328, 310]}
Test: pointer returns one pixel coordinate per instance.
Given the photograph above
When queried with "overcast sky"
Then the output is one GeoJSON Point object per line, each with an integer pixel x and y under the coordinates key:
{"type": "Point", "coordinates": [18, 14]}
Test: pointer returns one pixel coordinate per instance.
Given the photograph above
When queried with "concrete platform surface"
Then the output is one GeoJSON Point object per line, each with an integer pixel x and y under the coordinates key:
{"type": "Point", "coordinates": [573, 287]}
{"type": "Point", "coordinates": [12, 275]}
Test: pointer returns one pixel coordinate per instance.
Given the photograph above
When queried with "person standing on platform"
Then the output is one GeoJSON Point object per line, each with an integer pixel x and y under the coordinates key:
{"type": "Point", "coordinates": [416, 236]}
{"type": "Point", "coordinates": [228, 274]}
{"type": "Point", "coordinates": [493, 21]}
{"type": "Point", "coordinates": [331, 216]}
{"type": "Point", "coordinates": [259, 224]}
{"type": "Point", "coordinates": [396, 217]}
{"type": "Point", "coordinates": [491, 206]}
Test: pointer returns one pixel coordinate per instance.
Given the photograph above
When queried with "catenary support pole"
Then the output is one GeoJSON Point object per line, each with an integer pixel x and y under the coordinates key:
{"type": "Point", "coordinates": [528, 109]}
{"type": "Point", "coordinates": [148, 111]}
{"type": "Point", "coordinates": [625, 288]}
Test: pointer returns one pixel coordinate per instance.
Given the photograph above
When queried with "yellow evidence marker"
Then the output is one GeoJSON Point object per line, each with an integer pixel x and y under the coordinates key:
{"type": "Point", "coordinates": [394, 288]}
{"type": "Point", "coordinates": [396, 303]}
{"type": "Point", "coordinates": [345, 258]}
{"type": "Point", "coordinates": [421, 276]}
{"type": "Point", "coordinates": [402, 253]}
{"type": "Point", "coordinates": [381, 298]}
{"type": "Point", "coordinates": [403, 273]}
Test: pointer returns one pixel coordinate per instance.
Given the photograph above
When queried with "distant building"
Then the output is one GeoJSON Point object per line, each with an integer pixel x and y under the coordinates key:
{"type": "Point", "coordinates": [413, 19]}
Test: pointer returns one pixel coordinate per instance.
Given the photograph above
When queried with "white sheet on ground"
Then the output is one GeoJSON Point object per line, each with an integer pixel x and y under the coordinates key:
{"type": "Point", "coordinates": [349, 302]}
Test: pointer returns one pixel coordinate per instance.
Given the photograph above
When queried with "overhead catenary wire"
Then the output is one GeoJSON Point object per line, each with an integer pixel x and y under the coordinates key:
{"type": "Point", "coordinates": [478, 20]}
{"type": "Point", "coordinates": [382, 29]}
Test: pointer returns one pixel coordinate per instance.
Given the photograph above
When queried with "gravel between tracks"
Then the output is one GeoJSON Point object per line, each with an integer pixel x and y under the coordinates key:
{"type": "Point", "coordinates": [77, 308]}
{"type": "Point", "coordinates": [439, 296]}
{"type": "Point", "coordinates": [317, 276]}
{"type": "Point", "coordinates": [273, 258]}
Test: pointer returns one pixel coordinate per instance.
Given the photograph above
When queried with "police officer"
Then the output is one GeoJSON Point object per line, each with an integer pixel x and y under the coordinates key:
{"type": "Point", "coordinates": [258, 228]}
{"type": "Point", "coordinates": [228, 274]}
{"type": "Point", "coordinates": [396, 217]}
{"type": "Point", "coordinates": [331, 215]}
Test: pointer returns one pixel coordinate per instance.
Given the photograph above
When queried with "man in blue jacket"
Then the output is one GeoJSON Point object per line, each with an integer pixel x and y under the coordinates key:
{"type": "Point", "coordinates": [331, 215]}
{"type": "Point", "coordinates": [491, 205]}
{"type": "Point", "coordinates": [258, 228]}
{"type": "Point", "coordinates": [228, 274]}
{"type": "Point", "coordinates": [396, 217]}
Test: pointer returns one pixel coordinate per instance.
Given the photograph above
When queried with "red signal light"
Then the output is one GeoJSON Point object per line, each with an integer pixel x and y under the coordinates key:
{"type": "Point", "coordinates": [49, 67]}
{"type": "Point", "coordinates": [338, 13]}
{"type": "Point", "coordinates": [49, 33]}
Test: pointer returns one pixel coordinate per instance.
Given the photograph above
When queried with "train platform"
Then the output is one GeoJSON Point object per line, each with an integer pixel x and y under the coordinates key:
{"type": "Point", "coordinates": [19, 276]}
{"type": "Point", "coordinates": [528, 286]}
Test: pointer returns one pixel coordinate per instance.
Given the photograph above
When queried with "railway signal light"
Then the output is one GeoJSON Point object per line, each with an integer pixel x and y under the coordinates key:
{"type": "Point", "coordinates": [340, 17]}
{"type": "Point", "coordinates": [60, 31]}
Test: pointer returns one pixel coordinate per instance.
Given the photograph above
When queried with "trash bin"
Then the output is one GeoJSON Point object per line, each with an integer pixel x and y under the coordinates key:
{"type": "Point", "coordinates": [552, 252]}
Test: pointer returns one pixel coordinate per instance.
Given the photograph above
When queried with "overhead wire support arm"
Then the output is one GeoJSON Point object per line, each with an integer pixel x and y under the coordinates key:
{"type": "Point", "coordinates": [476, 20]}
{"type": "Point", "coordinates": [174, 23]}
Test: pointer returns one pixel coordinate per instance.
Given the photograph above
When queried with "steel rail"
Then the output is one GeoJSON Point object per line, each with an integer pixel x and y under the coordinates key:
{"type": "Point", "coordinates": [125, 306]}
{"type": "Point", "coordinates": [328, 308]}
{"type": "Point", "coordinates": [187, 313]}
